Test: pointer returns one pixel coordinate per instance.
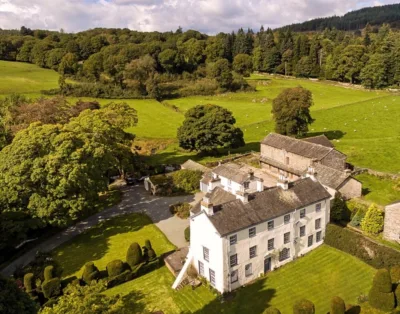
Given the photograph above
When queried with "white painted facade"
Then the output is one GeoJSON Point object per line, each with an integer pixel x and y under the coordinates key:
{"type": "Point", "coordinates": [211, 253]}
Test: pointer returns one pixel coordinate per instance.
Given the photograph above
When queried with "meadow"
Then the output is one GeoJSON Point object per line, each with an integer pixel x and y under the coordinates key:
{"type": "Point", "coordinates": [363, 124]}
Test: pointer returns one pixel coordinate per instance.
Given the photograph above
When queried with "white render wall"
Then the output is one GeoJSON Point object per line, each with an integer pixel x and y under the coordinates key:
{"type": "Point", "coordinates": [203, 233]}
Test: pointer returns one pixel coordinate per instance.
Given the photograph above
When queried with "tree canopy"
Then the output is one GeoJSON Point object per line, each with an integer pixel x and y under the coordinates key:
{"type": "Point", "coordinates": [208, 127]}
{"type": "Point", "coordinates": [291, 111]}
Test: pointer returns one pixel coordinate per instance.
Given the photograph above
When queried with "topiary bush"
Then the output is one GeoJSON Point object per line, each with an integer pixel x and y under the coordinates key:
{"type": "Point", "coordinates": [337, 306]}
{"type": "Point", "coordinates": [147, 244]}
{"type": "Point", "coordinates": [51, 288]}
{"type": "Point", "coordinates": [134, 255]}
{"type": "Point", "coordinates": [381, 295]}
{"type": "Point", "coordinates": [115, 268]}
{"type": "Point", "coordinates": [397, 295]}
{"type": "Point", "coordinates": [48, 273]}
{"type": "Point", "coordinates": [304, 307]}
{"type": "Point", "coordinates": [187, 234]}
{"type": "Point", "coordinates": [90, 273]}
{"type": "Point", "coordinates": [272, 310]}
{"type": "Point", "coordinates": [29, 283]}
{"type": "Point", "coordinates": [372, 223]}
{"type": "Point", "coordinates": [395, 274]}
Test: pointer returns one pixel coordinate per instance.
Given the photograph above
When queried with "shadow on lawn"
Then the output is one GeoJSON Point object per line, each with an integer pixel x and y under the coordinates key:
{"type": "Point", "coordinates": [253, 299]}
{"type": "Point", "coordinates": [93, 244]}
{"type": "Point", "coordinates": [331, 135]}
{"type": "Point", "coordinates": [133, 303]}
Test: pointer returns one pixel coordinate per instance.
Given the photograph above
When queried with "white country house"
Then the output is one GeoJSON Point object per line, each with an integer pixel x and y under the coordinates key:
{"type": "Point", "coordinates": [240, 230]}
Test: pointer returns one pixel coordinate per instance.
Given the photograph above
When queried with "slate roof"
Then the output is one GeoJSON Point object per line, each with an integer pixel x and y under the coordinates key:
{"type": "Point", "coordinates": [235, 215]}
{"type": "Point", "coordinates": [282, 166]}
{"type": "Point", "coordinates": [232, 172]}
{"type": "Point", "coordinates": [207, 176]}
{"type": "Point", "coordinates": [320, 140]}
{"type": "Point", "coordinates": [329, 176]}
{"type": "Point", "coordinates": [295, 146]}
{"type": "Point", "coordinates": [192, 165]}
{"type": "Point", "coordinates": [217, 197]}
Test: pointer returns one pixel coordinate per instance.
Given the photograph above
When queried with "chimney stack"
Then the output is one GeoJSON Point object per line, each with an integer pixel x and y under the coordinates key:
{"type": "Point", "coordinates": [311, 173]}
{"type": "Point", "coordinates": [207, 206]}
{"type": "Point", "coordinates": [283, 182]}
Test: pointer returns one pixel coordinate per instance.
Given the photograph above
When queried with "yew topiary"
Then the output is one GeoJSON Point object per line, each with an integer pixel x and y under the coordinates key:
{"type": "Point", "coordinates": [134, 255]}
{"type": "Point", "coordinates": [115, 268]}
{"type": "Point", "coordinates": [304, 307]}
{"type": "Point", "coordinates": [395, 274]}
{"type": "Point", "coordinates": [51, 288]}
{"type": "Point", "coordinates": [381, 295]}
{"type": "Point", "coordinates": [338, 306]}
{"type": "Point", "coordinates": [48, 272]}
{"type": "Point", "coordinates": [90, 273]}
{"type": "Point", "coordinates": [29, 283]}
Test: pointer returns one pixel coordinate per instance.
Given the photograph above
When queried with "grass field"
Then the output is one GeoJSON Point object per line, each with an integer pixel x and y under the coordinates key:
{"type": "Point", "coordinates": [378, 190]}
{"type": "Point", "coordinates": [322, 274]}
{"type": "Point", "coordinates": [363, 124]}
{"type": "Point", "coordinates": [108, 241]}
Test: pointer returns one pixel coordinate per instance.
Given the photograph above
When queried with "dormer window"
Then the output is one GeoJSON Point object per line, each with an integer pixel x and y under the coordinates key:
{"type": "Point", "coordinates": [246, 185]}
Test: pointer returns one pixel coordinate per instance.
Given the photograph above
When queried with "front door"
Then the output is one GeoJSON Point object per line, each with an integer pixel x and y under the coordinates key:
{"type": "Point", "coordinates": [267, 264]}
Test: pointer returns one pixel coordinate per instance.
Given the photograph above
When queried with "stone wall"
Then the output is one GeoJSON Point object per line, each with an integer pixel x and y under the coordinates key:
{"type": "Point", "coordinates": [392, 223]}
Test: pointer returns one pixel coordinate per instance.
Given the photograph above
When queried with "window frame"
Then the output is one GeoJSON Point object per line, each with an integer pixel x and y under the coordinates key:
{"type": "Point", "coordinates": [236, 272]}
{"type": "Point", "coordinates": [253, 251]}
{"type": "Point", "coordinates": [246, 185]}
{"type": "Point", "coordinates": [248, 267]}
{"type": "Point", "coordinates": [206, 254]}
{"type": "Point", "coordinates": [318, 224]}
{"type": "Point", "coordinates": [319, 236]}
{"type": "Point", "coordinates": [201, 268]}
{"type": "Point", "coordinates": [302, 213]}
{"type": "Point", "coordinates": [251, 235]}
{"type": "Point", "coordinates": [235, 260]}
{"type": "Point", "coordinates": [234, 236]}
{"type": "Point", "coordinates": [286, 240]}
{"type": "Point", "coordinates": [211, 274]}
{"type": "Point", "coordinates": [285, 220]}
{"type": "Point", "coordinates": [318, 207]}
{"type": "Point", "coordinates": [284, 257]}
{"type": "Point", "coordinates": [302, 234]}
{"type": "Point", "coordinates": [268, 225]}
{"type": "Point", "coordinates": [273, 244]}
{"type": "Point", "coordinates": [309, 244]}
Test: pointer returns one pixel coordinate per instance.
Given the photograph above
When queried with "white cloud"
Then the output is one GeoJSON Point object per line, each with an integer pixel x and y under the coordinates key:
{"type": "Point", "coordinates": [209, 16]}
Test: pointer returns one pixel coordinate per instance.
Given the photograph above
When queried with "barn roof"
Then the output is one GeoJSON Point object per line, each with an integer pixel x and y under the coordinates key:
{"type": "Point", "coordinates": [192, 165]}
{"type": "Point", "coordinates": [298, 147]}
{"type": "Point", "coordinates": [320, 140]}
{"type": "Point", "coordinates": [330, 177]}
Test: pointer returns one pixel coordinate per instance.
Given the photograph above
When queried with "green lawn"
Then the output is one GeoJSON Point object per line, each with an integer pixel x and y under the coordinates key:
{"type": "Point", "coordinates": [108, 241]}
{"type": "Point", "coordinates": [24, 78]}
{"type": "Point", "coordinates": [322, 274]}
{"type": "Point", "coordinates": [364, 124]}
{"type": "Point", "coordinates": [378, 190]}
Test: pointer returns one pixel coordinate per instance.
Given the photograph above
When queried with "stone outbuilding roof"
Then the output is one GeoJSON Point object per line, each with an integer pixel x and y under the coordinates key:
{"type": "Point", "coordinates": [217, 197]}
{"type": "Point", "coordinates": [330, 177]}
{"type": "Point", "coordinates": [298, 147]}
{"type": "Point", "coordinates": [320, 140]}
{"type": "Point", "coordinates": [232, 172]}
{"type": "Point", "coordinates": [235, 215]}
{"type": "Point", "coordinates": [192, 165]}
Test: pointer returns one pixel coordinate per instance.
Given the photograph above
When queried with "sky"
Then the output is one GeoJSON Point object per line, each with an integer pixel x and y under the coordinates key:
{"type": "Point", "coordinates": [208, 16]}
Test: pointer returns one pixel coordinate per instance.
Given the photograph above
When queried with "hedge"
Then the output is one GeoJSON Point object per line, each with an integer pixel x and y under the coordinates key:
{"type": "Point", "coordinates": [376, 255]}
{"type": "Point", "coordinates": [397, 295]}
{"type": "Point", "coordinates": [187, 234]}
{"type": "Point", "coordinates": [272, 310]}
{"type": "Point", "coordinates": [303, 307]}
{"type": "Point", "coordinates": [115, 268]}
{"type": "Point", "coordinates": [90, 273]}
{"type": "Point", "coordinates": [121, 278]}
{"type": "Point", "coordinates": [337, 306]}
{"type": "Point", "coordinates": [48, 273]}
{"type": "Point", "coordinates": [51, 288]}
{"type": "Point", "coordinates": [134, 255]}
{"type": "Point", "coordinates": [182, 210]}
{"type": "Point", "coordinates": [395, 273]}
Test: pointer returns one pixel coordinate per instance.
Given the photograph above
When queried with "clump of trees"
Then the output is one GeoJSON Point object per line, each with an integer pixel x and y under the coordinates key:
{"type": "Point", "coordinates": [291, 111]}
{"type": "Point", "coordinates": [209, 127]}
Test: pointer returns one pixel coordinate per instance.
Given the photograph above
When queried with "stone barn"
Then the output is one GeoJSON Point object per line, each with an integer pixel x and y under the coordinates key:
{"type": "Point", "coordinates": [392, 222]}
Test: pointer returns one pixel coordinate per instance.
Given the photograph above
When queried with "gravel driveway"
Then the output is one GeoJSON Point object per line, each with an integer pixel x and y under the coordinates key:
{"type": "Point", "coordinates": [135, 199]}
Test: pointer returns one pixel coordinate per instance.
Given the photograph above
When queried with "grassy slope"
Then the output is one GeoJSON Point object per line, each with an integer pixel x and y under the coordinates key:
{"type": "Point", "coordinates": [25, 78]}
{"type": "Point", "coordinates": [108, 241]}
{"type": "Point", "coordinates": [378, 190]}
{"type": "Point", "coordinates": [322, 274]}
{"type": "Point", "coordinates": [374, 144]}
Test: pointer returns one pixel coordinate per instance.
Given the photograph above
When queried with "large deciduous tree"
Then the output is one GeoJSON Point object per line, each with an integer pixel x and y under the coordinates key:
{"type": "Point", "coordinates": [208, 127]}
{"type": "Point", "coordinates": [243, 64]}
{"type": "Point", "coordinates": [55, 172]}
{"type": "Point", "coordinates": [291, 111]}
